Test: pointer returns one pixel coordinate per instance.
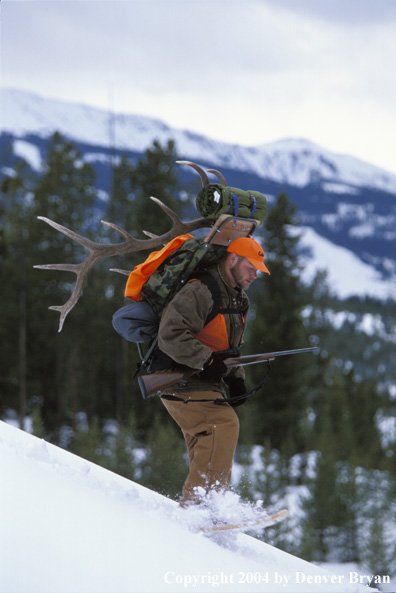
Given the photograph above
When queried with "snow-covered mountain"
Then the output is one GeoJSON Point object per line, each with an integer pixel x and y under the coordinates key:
{"type": "Point", "coordinates": [69, 526]}
{"type": "Point", "coordinates": [295, 162]}
{"type": "Point", "coordinates": [347, 206]}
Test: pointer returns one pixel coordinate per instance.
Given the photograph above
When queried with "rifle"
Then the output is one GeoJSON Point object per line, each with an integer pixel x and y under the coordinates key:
{"type": "Point", "coordinates": [156, 382]}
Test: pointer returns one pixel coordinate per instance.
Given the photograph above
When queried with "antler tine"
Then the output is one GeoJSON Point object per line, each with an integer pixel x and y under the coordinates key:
{"type": "Point", "coordinates": [172, 215]}
{"type": "Point", "coordinates": [119, 271]}
{"type": "Point", "coordinates": [98, 251]}
{"type": "Point", "coordinates": [179, 226]}
{"type": "Point", "coordinates": [219, 175]}
{"type": "Point", "coordinates": [198, 169]}
{"type": "Point", "coordinates": [75, 236]}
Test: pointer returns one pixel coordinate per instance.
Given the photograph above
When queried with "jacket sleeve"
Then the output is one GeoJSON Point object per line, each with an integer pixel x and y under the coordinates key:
{"type": "Point", "coordinates": [183, 317]}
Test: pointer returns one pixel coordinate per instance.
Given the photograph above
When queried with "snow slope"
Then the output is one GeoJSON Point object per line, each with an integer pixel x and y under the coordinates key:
{"type": "Point", "coordinates": [69, 526]}
{"type": "Point", "coordinates": [346, 274]}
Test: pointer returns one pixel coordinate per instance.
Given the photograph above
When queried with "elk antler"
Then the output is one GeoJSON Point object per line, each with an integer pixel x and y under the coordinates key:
{"type": "Point", "coordinates": [98, 251]}
{"type": "Point", "coordinates": [198, 169]}
{"type": "Point", "coordinates": [202, 173]}
{"type": "Point", "coordinates": [219, 175]}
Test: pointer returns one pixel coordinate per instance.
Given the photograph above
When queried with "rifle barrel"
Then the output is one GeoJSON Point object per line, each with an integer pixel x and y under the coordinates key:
{"type": "Point", "coordinates": [285, 352]}
{"type": "Point", "coordinates": [256, 358]}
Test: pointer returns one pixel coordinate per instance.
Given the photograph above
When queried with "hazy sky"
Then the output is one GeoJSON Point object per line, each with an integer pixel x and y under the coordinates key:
{"type": "Point", "coordinates": [243, 71]}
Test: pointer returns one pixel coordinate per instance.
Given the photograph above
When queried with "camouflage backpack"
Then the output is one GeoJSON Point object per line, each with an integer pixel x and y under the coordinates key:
{"type": "Point", "coordinates": [171, 275]}
{"type": "Point", "coordinates": [152, 284]}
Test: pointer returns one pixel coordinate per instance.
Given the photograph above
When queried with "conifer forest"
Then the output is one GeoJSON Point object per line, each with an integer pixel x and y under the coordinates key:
{"type": "Point", "coordinates": [320, 435]}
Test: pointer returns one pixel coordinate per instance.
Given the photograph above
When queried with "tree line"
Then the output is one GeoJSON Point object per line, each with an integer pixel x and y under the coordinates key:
{"type": "Point", "coordinates": [78, 386]}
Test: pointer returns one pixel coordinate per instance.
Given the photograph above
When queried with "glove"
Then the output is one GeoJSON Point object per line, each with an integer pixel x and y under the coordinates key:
{"type": "Point", "coordinates": [215, 368]}
{"type": "Point", "coordinates": [237, 387]}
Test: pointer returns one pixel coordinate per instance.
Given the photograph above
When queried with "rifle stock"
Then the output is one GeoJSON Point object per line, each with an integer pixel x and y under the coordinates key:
{"type": "Point", "coordinates": [155, 383]}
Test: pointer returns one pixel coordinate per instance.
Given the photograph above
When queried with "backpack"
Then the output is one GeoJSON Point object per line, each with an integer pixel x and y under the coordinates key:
{"type": "Point", "coordinates": [153, 283]}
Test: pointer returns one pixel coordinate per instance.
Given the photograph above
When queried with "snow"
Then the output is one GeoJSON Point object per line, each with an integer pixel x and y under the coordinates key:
{"type": "Point", "coordinates": [365, 222]}
{"type": "Point", "coordinates": [69, 526]}
{"type": "Point", "coordinates": [339, 188]}
{"type": "Point", "coordinates": [369, 324]}
{"type": "Point", "coordinates": [29, 152]}
{"type": "Point", "coordinates": [292, 161]}
{"type": "Point", "coordinates": [347, 274]}
{"type": "Point", "coordinates": [387, 428]}
{"type": "Point", "coordinates": [301, 162]}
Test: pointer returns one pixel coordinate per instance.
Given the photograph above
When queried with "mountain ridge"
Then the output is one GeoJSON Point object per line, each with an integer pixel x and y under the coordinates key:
{"type": "Point", "coordinates": [293, 161]}
{"type": "Point", "coordinates": [348, 204]}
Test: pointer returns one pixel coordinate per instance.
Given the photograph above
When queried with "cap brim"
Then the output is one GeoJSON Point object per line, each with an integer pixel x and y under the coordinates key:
{"type": "Point", "coordinates": [259, 265]}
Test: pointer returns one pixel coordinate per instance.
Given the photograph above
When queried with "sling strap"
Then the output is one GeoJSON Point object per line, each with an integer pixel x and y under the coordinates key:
{"type": "Point", "coordinates": [224, 400]}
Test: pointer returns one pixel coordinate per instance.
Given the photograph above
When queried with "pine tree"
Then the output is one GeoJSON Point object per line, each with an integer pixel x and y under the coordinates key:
{"type": "Point", "coordinates": [65, 193]}
{"type": "Point", "coordinates": [121, 199]}
{"type": "Point", "coordinates": [89, 441]}
{"type": "Point", "coordinates": [15, 277]}
{"type": "Point", "coordinates": [154, 176]}
{"type": "Point", "coordinates": [317, 509]}
{"type": "Point", "coordinates": [124, 357]}
{"type": "Point", "coordinates": [165, 467]}
{"type": "Point", "coordinates": [377, 541]}
{"type": "Point", "coordinates": [363, 404]}
{"type": "Point", "coordinates": [274, 324]}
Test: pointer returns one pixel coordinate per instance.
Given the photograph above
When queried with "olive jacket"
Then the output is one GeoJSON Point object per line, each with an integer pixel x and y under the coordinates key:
{"type": "Point", "coordinates": [186, 315]}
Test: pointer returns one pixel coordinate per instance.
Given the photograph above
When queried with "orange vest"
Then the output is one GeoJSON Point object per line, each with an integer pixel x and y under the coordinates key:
{"type": "Point", "coordinates": [214, 334]}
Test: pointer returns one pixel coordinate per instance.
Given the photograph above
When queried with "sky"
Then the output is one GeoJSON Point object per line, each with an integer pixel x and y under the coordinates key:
{"type": "Point", "coordinates": [245, 72]}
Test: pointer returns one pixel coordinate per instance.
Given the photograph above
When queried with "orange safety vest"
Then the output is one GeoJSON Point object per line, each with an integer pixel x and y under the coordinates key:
{"type": "Point", "coordinates": [214, 334]}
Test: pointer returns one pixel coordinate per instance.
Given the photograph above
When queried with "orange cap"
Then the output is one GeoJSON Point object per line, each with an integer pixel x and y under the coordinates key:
{"type": "Point", "coordinates": [249, 248]}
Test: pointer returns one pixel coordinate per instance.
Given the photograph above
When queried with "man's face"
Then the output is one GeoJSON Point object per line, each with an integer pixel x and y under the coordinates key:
{"type": "Point", "coordinates": [243, 273]}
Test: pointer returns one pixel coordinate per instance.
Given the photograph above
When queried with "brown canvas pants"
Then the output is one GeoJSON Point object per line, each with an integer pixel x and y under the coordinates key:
{"type": "Point", "coordinates": [211, 434]}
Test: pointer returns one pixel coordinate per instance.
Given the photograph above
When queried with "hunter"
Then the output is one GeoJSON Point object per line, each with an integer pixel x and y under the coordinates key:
{"type": "Point", "coordinates": [186, 338]}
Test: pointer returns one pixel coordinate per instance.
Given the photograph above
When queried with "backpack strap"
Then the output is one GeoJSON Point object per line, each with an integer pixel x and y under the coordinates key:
{"type": "Point", "coordinates": [163, 361]}
{"type": "Point", "coordinates": [209, 281]}
{"type": "Point", "coordinates": [214, 289]}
